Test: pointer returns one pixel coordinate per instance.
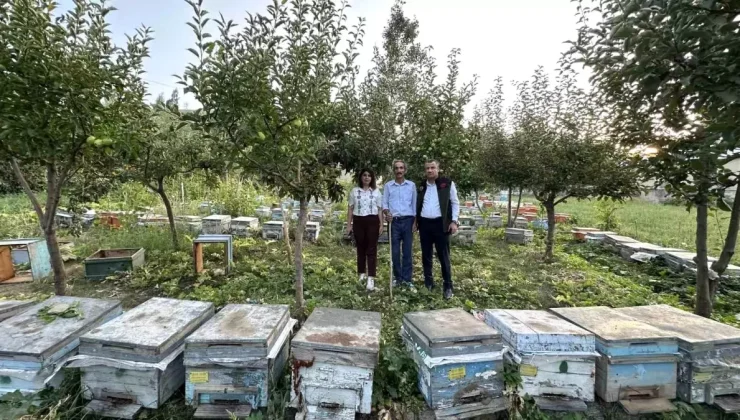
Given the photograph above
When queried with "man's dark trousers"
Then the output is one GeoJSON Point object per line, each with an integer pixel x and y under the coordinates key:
{"type": "Point", "coordinates": [402, 237]}
{"type": "Point", "coordinates": [432, 234]}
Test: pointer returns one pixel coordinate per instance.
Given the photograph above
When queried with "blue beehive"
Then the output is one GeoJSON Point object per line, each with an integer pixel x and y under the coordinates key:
{"type": "Point", "coordinates": [460, 362]}
{"type": "Point", "coordinates": [637, 366]}
{"type": "Point", "coordinates": [710, 353]}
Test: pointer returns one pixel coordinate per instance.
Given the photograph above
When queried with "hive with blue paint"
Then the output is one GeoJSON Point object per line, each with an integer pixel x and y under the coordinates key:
{"type": "Point", "coordinates": [556, 359]}
{"type": "Point", "coordinates": [709, 369]}
{"type": "Point", "coordinates": [334, 358]}
{"type": "Point", "coordinates": [136, 360]}
{"type": "Point", "coordinates": [234, 358]}
{"type": "Point", "coordinates": [32, 347]}
{"type": "Point", "coordinates": [637, 366]}
{"type": "Point", "coordinates": [459, 360]}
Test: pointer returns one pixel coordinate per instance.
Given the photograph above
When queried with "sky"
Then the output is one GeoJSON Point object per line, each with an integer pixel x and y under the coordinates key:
{"type": "Point", "coordinates": [507, 38]}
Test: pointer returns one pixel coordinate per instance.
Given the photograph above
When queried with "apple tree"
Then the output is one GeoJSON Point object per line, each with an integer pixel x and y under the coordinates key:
{"type": "Point", "coordinates": [68, 98]}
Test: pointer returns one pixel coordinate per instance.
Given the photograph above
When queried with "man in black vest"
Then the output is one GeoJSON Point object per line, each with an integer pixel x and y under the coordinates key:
{"type": "Point", "coordinates": [437, 210]}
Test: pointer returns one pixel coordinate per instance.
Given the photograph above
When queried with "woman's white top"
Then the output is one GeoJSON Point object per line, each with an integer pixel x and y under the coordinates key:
{"type": "Point", "coordinates": [365, 203]}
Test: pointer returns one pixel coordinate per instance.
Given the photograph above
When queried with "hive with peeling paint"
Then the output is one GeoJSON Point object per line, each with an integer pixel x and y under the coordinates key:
{"type": "Point", "coordinates": [334, 358]}
{"type": "Point", "coordinates": [708, 371]}
{"type": "Point", "coordinates": [136, 360]}
{"type": "Point", "coordinates": [459, 360]}
{"type": "Point", "coordinates": [31, 348]}
{"type": "Point", "coordinates": [233, 358]}
{"type": "Point", "coordinates": [556, 359]}
{"type": "Point", "coordinates": [637, 363]}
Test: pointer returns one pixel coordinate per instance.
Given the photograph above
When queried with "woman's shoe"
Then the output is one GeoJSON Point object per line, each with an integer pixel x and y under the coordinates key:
{"type": "Point", "coordinates": [370, 284]}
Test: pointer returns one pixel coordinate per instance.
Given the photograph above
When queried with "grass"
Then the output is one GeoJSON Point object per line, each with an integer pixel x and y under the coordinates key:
{"type": "Point", "coordinates": [490, 274]}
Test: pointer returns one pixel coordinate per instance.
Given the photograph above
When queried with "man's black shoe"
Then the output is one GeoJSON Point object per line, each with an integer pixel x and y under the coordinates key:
{"type": "Point", "coordinates": [448, 294]}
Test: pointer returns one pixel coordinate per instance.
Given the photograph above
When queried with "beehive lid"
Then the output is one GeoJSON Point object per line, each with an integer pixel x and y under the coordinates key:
{"type": "Point", "coordinates": [153, 328]}
{"type": "Point", "coordinates": [218, 217]}
{"type": "Point", "coordinates": [13, 306]}
{"type": "Point", "coordinates": [691, 330]}
{"type": "Point", "coordinates": [313, 224]}
{"type": "Point", "coordinates": [447, 327]}
{"type": "Point", "coordinates": [619, 239]}
{"type": "Point", "coordinates": [273, 224]}
{"type": "Point", "coordinates": [340, 330]}
{"type": "Point", "coordinates": [517, 231]}
{"type": "Point", "coordinates": [611, 325]}
{"type": "Point", "coordinates": [246, 325]}
{"type": "Point", "coordinates": [28, 335]}
{"type": "Point", "coordinates": [245, 219]}
{"type": "Point", "coordinates": [19, 242]}
{"type": "Point", "coordinates": [539, 331]}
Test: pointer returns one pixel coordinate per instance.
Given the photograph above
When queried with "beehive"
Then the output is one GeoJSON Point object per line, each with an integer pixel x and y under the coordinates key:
{"type": "Point", "coordinates": [31, 348]}
{"type": "Point", "coordinates": [579, 233]}
{"type": "Point", "coordinates": [637, 366]}
{"type": "Point", "coordinates": [556, 359]}
{"type": "Point", "coordinates": [11, 308]}
{"type": "Point", "coordinates": [33, 251]}
{"type": "Point", "coordinates": [521, 223]}
{"type": "Point", "coordinates": [316, 215]}
{"type": "Point", "coordinates": [232, 360]}
{"type": "Point", "coordinates": [272, 230]}
{"type": "Point", "coordinates": [216, 224]}
{"type": "Point", "coordinates": [519, 236]}
{"type": "Point", "coordinates": [683, 260]}
{"type": "Point", "coordinates": [136, 360]}
{"type": "Point", "coordinates": [627, 249]}
{"type": "Point", "coordinates": [597, 237]}
{"type": "Point", "coordinates": [155, 220]}
{"type": "Point", "coordinates": [263, 212]}
{"type": "Point", "coordinates": [334, 357]}
{"type": "Point", "coordinates": [459, 360]}
{"type": "Point", "coordinates": [106, 262]}
{"type": "Point", "coordinates": [466, 221]}
{"type": "Point", "coordinates": [613, 242]}
{"type": "Point", "coordinates": [710, 354]}
{"type": "Point", "coordinates": [312, 231]}
{"type": "Point", "coordinates": [465, 235]}
{"type": "Point", "coordinates": [495, 221]}
{"type": "Point", "coordinates": [243, 226]}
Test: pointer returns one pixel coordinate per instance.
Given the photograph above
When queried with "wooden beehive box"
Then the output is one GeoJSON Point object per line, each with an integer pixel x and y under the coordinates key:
{"type": "Point", "coordinates": [263, 212]}
{"type": "Point", "coordinates": [243, 226]}
{"type": "Point", "coordinates": [11, 308]}
{"type": "Point", "coordinates": [137, 358]}
{"type": "Point", "coordinates": [628, 248]}
{"type": "Point", "coordinates": [33, 251]}
{"type": "Point", "coordinates": [466, 221]}
{"type": "Point", "coordinates": [316, 215]}
{"type": "Point", "coordinates": [709, 350]}
{"type": "Point", "coordinates": [312, 231]}
{"type": "Point", "coordinates": [277, 214]}
{"type": "Point", "coordinates": [521, 223]}
{"type": "Point", "coordinates": [216, 224]}
{"type": "Point", "coordinates": [556, 359]}
{"type": "Point", "coordinates": [7, 269]}
{"type": "Point", "coordinates": [272, 230]}
{"type": "Point", "coordinates": [232, 360]}
{"type": "Point", "coordinates": [334, 357]}
{"type": "Point", "coordinates": [460, 361]}
{"type": "Point", "coordinates": [519, 236]}
{"type": "Point", "coordinates": [105, 262]}
{"type": "Point", "coordinates": [597, 237]}
{"type": "Point", "coordinates": [579, 233]}
{"type": "Point", "coordinates": [31, 347]}
{"type": "Point", "coordinates": [495, 221]}
{"type": "Point", "coordinates": [613, 242]}
{"type": "Point", "coordinates": [637, 366]}
{"type": "Point", "coordinates": [466, 235]}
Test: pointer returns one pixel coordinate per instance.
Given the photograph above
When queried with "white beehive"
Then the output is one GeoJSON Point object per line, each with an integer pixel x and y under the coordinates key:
{"type": "Point", "coordinates": [519, 236]}
{"type": "Point", "coordinates": [243, 226]}
{"type": "Point", "coordinates": [465, 235]}
{"type": "Point", "coordinates": [216, 224]}
{"type": "Point", "coordinates": [272, 230]}
{"type": "Point", "coordinates": [312, 231]}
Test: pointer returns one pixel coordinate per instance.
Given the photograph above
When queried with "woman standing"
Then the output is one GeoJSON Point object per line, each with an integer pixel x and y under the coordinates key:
{"type": "Point", "coordinates": [364, 218]}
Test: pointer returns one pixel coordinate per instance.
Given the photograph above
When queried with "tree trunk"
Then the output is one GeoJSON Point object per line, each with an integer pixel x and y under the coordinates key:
{"type": "Point", "coordinates": [728, 250]}
{"type": "Point", "coordinates": [300, 228]}
{"type": "Point", "coordinates": [703, 304]}
{"type": "Point", "coordinates": [510, 219]}
{"type": "Point", "coordinates": [550, 240]}
{"type": "Point", "coordinates": [170, 214]}
{"type": "Point", "coordinates": [46, 220]}
{"type": "Point", "coordinates": [57, 263]}
{"type": "Point", "coordinates": [477, 203]}
{"type": "Point", "coordinates": [518, 204]}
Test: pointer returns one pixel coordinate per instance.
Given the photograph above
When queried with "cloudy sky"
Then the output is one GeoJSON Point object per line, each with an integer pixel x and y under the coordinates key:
{"type": "Point", "coordinates": [507, 38]}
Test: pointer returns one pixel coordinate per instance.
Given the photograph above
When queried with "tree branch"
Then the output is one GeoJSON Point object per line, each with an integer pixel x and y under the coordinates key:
{"type": "Point", "coordinates": [27, 189]}
{"type": "Point", "coordinates": [565, 197]}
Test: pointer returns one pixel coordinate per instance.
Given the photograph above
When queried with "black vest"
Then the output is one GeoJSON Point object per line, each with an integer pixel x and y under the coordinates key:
{"type": "Point", "coordinates": [443, 193]}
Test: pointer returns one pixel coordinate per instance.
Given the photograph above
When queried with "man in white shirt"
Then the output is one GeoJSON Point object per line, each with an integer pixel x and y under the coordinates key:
{"type": "Point", "coordinates": [437, 213]}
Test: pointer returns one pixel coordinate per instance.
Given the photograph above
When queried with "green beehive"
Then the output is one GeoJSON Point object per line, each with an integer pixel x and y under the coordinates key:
{"type": "Point", "coordinates": [106, 262]}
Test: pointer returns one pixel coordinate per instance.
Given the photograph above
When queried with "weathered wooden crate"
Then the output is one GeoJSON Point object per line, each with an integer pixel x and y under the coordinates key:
{"type": "Point", "coordinates": [31, 251]}
{"type": "Point", "coordinates": [466, 235]}
{"type": "Point", "coordinates": [244, 226]}
{"type": "Point", "coordinates": [637, 366]}
{"type": "Point", "coordinates": [495, 221]}
{"type": "Point", "coordinates": [708, 369]}
{"type": "Point", "coordinates": [334, 358]}
{"type": "Point", "coordinates": [137, 358]}
{"type": "Point", "coordinates": [312, 231]}
{"type": "Point", "coordinates": [11, 308]}
{"type": "Point", "coordinates": [232, 360]}
{"type": "Point", "coordinates": [272, 230]}
{"type": "Point", "coordinates": [105, 262]}
{"type": "Point", "coordinates": [31, 348]}
{"type": "Point", "coordinates": [459, 360]}
{"type": "Point", "coordinates": [519, 236]}
{"type": "Point", "coordinates": [555, 358]}
{"type": "Point", "coordinates": [216, 224]}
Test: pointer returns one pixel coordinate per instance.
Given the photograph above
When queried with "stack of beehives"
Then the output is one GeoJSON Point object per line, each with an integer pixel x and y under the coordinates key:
{"type": "Point", "coordinates": [232, 360]}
